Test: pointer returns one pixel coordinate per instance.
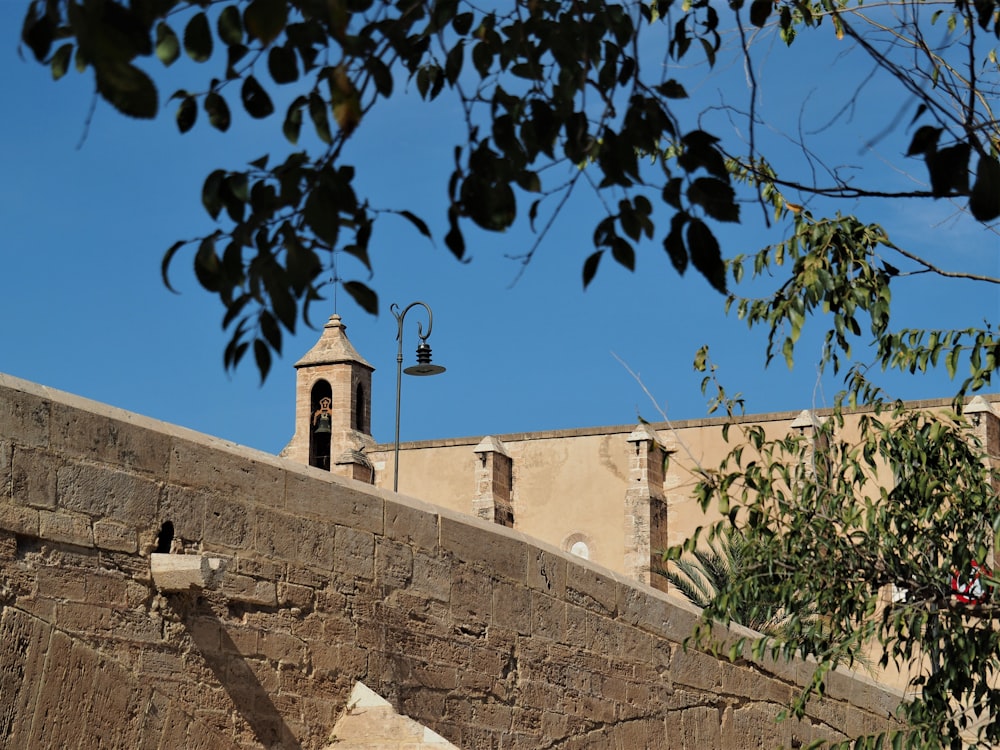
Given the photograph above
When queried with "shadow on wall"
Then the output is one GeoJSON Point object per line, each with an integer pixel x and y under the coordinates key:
{"type": "Point", "coordinates": [237, 677]}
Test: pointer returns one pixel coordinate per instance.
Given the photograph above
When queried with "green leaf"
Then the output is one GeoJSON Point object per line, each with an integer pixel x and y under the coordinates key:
{"type": "Point", "coordinates": [282, 64]}
{"type": "Point", "coordinates": [230, 27]}
{"type": "Point", "coordinates": [38, 32]}
{"type": "Point", "coordinates": [590, 267]}
{"type": "Point", "coordinates": [198, 38]}
{"type": "Point", "coordinates": [367, 299]}
{"type": "Point", "coordinates": [623, 252]}
{"type": "Point", "coordinates": [317, 112]}
{"type": "Point", "coordinates": [211, 197]}
{"type": "Point", "coordinates": [187, 113]}
{"type": "Point", "coordinates": [127, 88]}
{"type": "Point", "coordinates": [462, 23]}
{"type": "Point", "coordinates": [759, 12]}
{"type": "Point", "coordinates": [60, 61]}
{"type": "Point", "coordinates": [293, 122]}
{"type": "Point", "coordinates": [265, 19]}
{"type": "Point", "coordinates": [165, 264]}
{"type": "Point", "coordinates": [320, 214]}
{"type": "Point", "coordinates": [705, 254]}
{"type": "Point", "coordinates": [419, 223]}
{"type": "Point", "coordinates": [168, 48]}
{"type": "Point", "coordinates": [984, 202]}
{"type": "Point", "coordinates": [672, 90]}
{"type": "Point", "coordinates": [454, 240]}
{"type": "Point", "coordinates": [453, 63]}
{"type": "Point", "coordinates": [263, 358]}
{"type": "Point", "coordinates": [381, 76]}
{"type": "Point", "coordinates": [255, 100]}
{"type": "Point", "coordinates": [218, 111]}
{"type": "Point", "coordinates": [206, 265]}
{"type": "Point", "coordinates": [673, 243]}
{"type": "Point", "coordinates": [717, 198]}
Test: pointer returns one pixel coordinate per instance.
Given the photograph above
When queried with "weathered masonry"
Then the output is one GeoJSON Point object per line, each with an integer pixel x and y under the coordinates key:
{"type": "Point", "coordinates": [311, 583]}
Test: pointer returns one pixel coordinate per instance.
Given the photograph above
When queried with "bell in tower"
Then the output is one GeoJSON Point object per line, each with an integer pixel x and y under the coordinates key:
{"type": "Point", "coordinates": [333, 407]}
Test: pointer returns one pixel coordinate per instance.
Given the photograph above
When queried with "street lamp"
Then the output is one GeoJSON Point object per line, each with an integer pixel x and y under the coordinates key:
{"type": "Point", "coordinates": [423, 367]}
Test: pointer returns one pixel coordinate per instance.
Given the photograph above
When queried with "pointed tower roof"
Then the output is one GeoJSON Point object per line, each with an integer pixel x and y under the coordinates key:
{"type": "Point", "coordinates": [332, 347]}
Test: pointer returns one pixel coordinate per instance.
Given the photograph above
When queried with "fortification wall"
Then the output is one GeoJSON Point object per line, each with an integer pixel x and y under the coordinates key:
{"type": "Point", "coordinates": [487, 637]}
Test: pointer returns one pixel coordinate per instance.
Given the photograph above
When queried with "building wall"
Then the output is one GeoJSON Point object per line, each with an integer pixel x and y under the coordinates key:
{"type": "Point", "coordinates": [488, 637]}
{"type": "Point", "coordinates": [571, 484]}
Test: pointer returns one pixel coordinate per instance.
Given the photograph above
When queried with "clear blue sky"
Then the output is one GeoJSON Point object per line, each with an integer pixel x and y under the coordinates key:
{"type": "Point", "coordinates": [87, 213]}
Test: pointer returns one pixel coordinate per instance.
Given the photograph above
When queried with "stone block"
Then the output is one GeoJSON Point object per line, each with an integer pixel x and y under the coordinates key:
{"type": "Point", "coordinates": [354, 553]}
{"type": "Point", "coordinates": [317, 542]}
{"type": "Point", "coordinates": [484, 545]}
{"type": "Point", "coordinates": [393, 563]}
{"type": "Point", "coordinates": [8, 544]}
{"type": "Point", "coordinates": [111, 439]}
{"type": "Point", "coordinates": [172, 573]}
{"type": "Point", "coordinates": [116, 536]}
{"type": "Point", "coordinates": [293, 595]}
{"type": "Point", "coordinates": [547, 572]}
{"type": "Point", "coordinates": [19, 519]}
{"type": "Point", "coordinates": [274, 535]}
{"type": "Point", "coordinates": [260, 568]}
{"type": "Point", "coordinates": [6, 460]}
{"type": "Point", "coordinates": [203, 465]}
{"type": "Point", "coordinates": [105, 493]}
{"type": "Point", "coordinates": [548, 616]}
{"type": "Point", "coordinates": [111, 719]}
{"type": "Point", "coordinates": [23, 648]}
{"type": "Point", "coordinates": [185, 509]}
{"type": "Point", "coordinates": [471, 597]}
{"type": "Point", "coordinates": [68, 674]}
{"type": "Point", "coordinates": [252, 591]}
{"type": "Point", "coordinates": [591, 588]}
{"type": "Point", "coordinates": [65, 527]}
{"type": "Point", "coordinates": [282, 648]}
{"type": "Point", "coordinates": [24, 417]}
{"type": "Point", "coordinates": [33, 477]}
{"type": "Point", "coordinates": [431, 577]}
{"type": "Point", "coordinates": [415, 527]}
{"type": "Point", "coordinates": [512, 606]}
{"type": "Point", "coordinates": [228, 523]}
{"type": "Point", "coordinates": [330, 500]}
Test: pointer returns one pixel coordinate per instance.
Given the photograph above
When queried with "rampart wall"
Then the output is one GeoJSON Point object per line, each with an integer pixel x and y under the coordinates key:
{"type": "Point", "coordinates": [487, 637]}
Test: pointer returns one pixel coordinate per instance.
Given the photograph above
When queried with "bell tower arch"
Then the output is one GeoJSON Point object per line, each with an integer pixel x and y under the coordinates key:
{"type": "Point", "coordinates": [333, 386]}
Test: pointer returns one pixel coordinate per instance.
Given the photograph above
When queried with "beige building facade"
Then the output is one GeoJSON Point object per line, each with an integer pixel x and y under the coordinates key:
{"type": "Point", "coordinates": [601, 493]}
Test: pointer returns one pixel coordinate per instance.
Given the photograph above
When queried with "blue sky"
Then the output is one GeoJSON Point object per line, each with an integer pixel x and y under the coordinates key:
{"type": "Point", "coordinates": [88, 210]}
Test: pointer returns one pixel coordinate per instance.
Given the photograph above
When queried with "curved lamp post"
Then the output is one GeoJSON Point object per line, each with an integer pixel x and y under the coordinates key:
{"type": "Point", "coordinates": [423, 367]}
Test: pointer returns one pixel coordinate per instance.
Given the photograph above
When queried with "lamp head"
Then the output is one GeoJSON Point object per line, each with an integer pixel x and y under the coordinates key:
{"type": "Point", "coordinates": [424, 365]}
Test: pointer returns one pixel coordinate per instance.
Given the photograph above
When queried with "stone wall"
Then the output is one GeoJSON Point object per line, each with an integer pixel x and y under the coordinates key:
{"type": "Point", "coordinates": [483, 635]}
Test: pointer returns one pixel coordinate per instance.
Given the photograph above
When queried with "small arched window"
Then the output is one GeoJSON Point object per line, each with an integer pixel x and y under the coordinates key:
{"type": "Point", "coordinates": [360, 409]}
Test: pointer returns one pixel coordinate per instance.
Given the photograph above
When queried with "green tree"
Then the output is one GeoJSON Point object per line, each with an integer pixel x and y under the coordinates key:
{"type": "Point", "coordinates": [559, 97]}
{"type": "Point", "coordinates": [710, 571]}
{"type": "Point", "coordinates": [544, 87]}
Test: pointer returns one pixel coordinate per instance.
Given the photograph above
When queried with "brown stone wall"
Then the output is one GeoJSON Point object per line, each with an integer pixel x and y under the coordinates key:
{"type": "Point", "coordinates": [485, 636]}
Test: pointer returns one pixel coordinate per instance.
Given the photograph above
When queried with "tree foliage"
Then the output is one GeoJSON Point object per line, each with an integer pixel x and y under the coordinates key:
{"type": "Point", "coordinates": [825, 532]}
{"type": "Point", "coordinates": [560, 96]}
{"type": "Point", "coordinates": [555, 96]}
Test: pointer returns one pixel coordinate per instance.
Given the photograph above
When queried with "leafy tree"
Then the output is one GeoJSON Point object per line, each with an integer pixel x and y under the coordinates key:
{"type": "Point", "coordinates": [544, 87]}
{"type": "Point", "coordinates": [559, 97]}
{"type": "Point", "coordinates": [708, 576]}
{"type": "Point", "coordinates": [709, 572]}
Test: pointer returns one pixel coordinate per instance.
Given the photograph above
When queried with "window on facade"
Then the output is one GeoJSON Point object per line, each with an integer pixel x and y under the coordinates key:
{"type": "Point", "coordinates": [360, 413]}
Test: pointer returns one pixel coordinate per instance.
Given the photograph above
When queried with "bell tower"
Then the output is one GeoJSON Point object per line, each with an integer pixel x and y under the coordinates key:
{"type": "Point", "coordinates": [333, 387]}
